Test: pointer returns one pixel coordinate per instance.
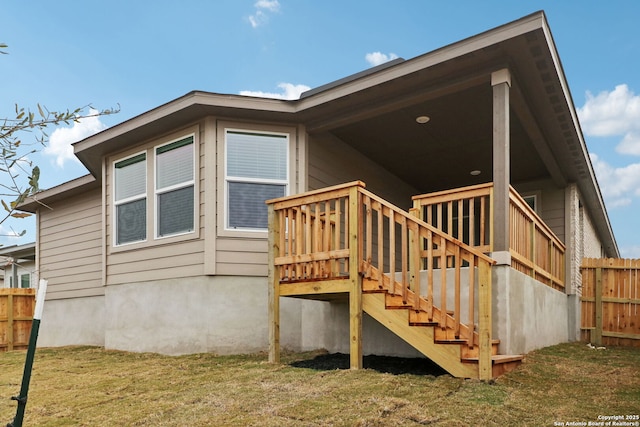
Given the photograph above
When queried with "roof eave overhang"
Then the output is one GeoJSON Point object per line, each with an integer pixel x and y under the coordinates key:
{"type": "Point", "coordinates": [177, 113]}
{"type": "Point", "coordinates": [42, 199]}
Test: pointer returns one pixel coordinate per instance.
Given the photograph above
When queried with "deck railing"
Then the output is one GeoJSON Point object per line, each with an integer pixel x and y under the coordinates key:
{"type": "Point", "coordinates": [465, 214]}
{"type": "Point", "coordinates": [342, 232]}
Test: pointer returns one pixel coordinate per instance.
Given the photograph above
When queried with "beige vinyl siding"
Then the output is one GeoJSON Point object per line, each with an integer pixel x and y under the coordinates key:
{"type": "Point", "coordinates": [333, 162]}
{"type": "Point", "coordinates": [592, 246]}
{"type": "Point", "coordinates": [163, 258]}
{"type": "Point", "coordinates": [172, 261]}
{"type": "Point", "coordinates": [70, 246]}
{"type": "Point", "coordinates": [246, 257]}
{"type": "Point", "coordinates": [551, 203]}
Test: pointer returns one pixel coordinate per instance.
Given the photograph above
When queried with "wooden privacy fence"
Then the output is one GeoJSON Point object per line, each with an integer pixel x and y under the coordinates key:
{"type": "Point", "coordinates": [16, 315]}
{"type": "Point", "coordinates": [611, 301]}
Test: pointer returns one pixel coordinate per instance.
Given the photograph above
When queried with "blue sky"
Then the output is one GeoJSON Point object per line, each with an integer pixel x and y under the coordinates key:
{"type": "Point", "coordinates": [141, 54]}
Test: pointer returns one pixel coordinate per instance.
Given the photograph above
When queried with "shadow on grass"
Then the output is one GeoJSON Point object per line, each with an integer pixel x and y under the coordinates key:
{"type": "Point", "coordinates": [382, 364]}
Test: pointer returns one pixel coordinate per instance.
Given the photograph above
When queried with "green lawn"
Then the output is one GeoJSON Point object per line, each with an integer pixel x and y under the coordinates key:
{"type": "Point", "coordinates": [88, 386]}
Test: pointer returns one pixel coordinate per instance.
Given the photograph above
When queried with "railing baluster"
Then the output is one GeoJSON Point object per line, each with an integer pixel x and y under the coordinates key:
{"type": "Point", "coordinates": [299, 241]}
{"type": "Point", "coordinates": [443, 281]}
{"type": "Point", "coordinates": [318, 244]}
{"type": "Point", "coordinates": [392, 251]}
{"type": "Point", "coordinates": [291, 238]}
{"type": "Point", "coordinates": [368, 235]}
{"type": "Point", "coordinates": [307, 239]}
{"type": "Point", "coordinates": [403, 254]}
{"type": "Point", "coordinates": [472, 222]}
{"type": "Point", "coordinates": [483, 207]}
{"type": "Point", "coordinates": [457, 312]}
{"type": "Point", "coordinates": [380, 245]}
{"type": "Point", "coordinates": [472, 295]}
{"type": "Point", "coordinates": [282, 238]}
{"type": "Point", "coordinates": [430, 261]}
{"type": "Point", "coordinates": [415, 265]}
{"type": "Point", "coordinates": [461, 220]}
{"type": "Point", "coordinates": [335, 265]}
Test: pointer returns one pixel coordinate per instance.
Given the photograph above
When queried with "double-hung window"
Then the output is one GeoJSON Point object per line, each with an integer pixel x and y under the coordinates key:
{"type": "Point", "coordinates": [154, 193]}
{"type": "Point", "coordinates": [175, 188]}
{"type": "Point", "coordinates": [130, 199]}
{"type": "Point", "coordinates": [256, 170]}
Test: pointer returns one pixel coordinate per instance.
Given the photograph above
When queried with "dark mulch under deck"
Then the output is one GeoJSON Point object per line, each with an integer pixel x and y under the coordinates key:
{"type": "Point", "coordinates": [383, 364]}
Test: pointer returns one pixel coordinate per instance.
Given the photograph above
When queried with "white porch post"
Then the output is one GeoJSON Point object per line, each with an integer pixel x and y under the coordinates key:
{"type": "Point", "coordinates": [501, 83]}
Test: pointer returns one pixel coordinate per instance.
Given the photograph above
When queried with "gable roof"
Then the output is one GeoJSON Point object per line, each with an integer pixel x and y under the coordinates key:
{"type": "Point", "coordinates": [374, 111]}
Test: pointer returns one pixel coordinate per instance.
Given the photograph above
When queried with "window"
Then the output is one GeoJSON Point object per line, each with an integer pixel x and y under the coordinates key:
{"type": "Point", "coordinates": [130, 199]}
{"type": "Point", "coordinates": [154, 192]}
{"type": "Point", "coordinates": [25, 280]}
{"type": "Point", "coordinates": [531, 201]}
{"type": "Point", "coordinates": [175, 188]}
{"type": "Point", "coordinates": [256, 170]}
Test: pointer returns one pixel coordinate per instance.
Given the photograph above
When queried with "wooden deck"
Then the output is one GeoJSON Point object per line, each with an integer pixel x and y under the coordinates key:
{"type": "Point", "coordinates": [430, 289]}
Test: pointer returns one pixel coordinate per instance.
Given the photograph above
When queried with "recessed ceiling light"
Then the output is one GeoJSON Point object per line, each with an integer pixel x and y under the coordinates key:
{"type": "Point", "coordinates": [475, 172]}
{"type": "Point", "coordinates": [423, 119]}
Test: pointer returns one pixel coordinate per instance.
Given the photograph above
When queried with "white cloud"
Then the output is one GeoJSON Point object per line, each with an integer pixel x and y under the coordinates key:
{"type": "Point", "coordinates": [9, 233]}
{"type": "Point", "coordinates": [289, 91]}
{"type": "Point", "coordinates": [615, 113]}
{"type": "Point", "coordinates": [630, 252]}
{"type": "Point", "coordinates": [630, 144]}
{"type": "Point", "coordinates": [377, 58]}
{"type": "Point", "coordinates": [60, 141]}
{"type": "Point", "coordinates": [618, 185]}
{"type": "Point", "coordinates": [263, 8]}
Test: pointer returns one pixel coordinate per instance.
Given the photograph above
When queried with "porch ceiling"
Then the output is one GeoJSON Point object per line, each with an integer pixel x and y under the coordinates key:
{"type": "Point", "coordinates": [441, 154]}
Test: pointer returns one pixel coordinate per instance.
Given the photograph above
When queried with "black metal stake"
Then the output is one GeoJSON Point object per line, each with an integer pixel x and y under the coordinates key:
{"type": "Point", "coordinates": [31, 351]}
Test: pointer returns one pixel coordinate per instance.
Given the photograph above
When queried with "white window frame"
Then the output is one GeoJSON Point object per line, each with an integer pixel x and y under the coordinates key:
{"type": "Point", "coordinates": [286, 182]}
{"type": "Point", "coordinates": [191, 183]}
{"type": "Point", "coordinates": [117, 203]}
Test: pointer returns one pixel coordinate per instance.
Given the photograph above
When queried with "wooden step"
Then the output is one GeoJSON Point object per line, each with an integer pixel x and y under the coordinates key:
{"type": "Point", "coordinates": [371, 285]}
{"type": "Point", "coordinates": [501, 363]}
{"type": "Point", "coordinates": [421, 318]}
{"type": "Point", "coordinates": [395, 302]}
{"type": "Point", "coordinates": [467, 352]}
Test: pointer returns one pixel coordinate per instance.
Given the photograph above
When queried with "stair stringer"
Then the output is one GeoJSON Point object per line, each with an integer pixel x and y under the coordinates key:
{"type": "Point", "coordinates": [421, 338]}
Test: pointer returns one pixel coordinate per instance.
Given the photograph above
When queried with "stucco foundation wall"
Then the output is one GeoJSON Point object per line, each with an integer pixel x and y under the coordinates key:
{"type": "Point", "coordinates": [376, 339]}
{"type": "Point", "coordinates": [73, 321]}
{"type": "Point", "coordinates": [220, 314]}
{"type": "Point", "coordinates": [527, 315]}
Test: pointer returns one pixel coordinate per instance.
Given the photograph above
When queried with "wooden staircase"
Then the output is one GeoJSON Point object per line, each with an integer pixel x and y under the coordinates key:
{"type": "Point", "coordinates": [425, 286]}
{"type": "Point", "coordinates": [423, 331]}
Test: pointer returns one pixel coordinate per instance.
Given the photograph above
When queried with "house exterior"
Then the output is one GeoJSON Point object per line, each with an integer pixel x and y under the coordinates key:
{"type": "Point", "coordinates": [164, 245]}
{"type": "Point", "coordinates": [18, 266]}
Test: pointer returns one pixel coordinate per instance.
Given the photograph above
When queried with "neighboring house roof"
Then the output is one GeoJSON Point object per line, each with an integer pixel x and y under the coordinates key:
{"type": "Point", "coordinates": [374, 111]}
{"type": "Point", "coordinates": [26, 251]}
{"type": "Point", "coordinates": [16, 253]}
